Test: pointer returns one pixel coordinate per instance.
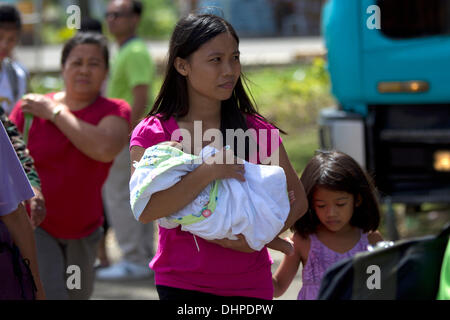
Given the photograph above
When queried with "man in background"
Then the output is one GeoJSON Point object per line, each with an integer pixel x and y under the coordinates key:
{"type": "Point", "coordinates": [131, 75]}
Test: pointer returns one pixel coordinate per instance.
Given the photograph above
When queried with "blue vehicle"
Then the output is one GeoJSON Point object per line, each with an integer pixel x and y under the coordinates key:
{"type": "Point", "coordinates": [389, 63]}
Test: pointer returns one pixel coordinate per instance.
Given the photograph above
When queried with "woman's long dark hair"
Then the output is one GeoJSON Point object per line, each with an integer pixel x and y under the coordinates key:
{"type": "Point", "coordinates": [338, 171]}
{"type": "Point", "coordinates": [190, 33]}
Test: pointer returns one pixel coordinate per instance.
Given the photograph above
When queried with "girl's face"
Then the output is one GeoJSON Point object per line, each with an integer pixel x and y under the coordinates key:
{"type": "Point", "coordinates": [333, 208]}
{"type": "Point", "coordinates": [84, 70]}
{"type": "Point", "coordinates": [213, 70]}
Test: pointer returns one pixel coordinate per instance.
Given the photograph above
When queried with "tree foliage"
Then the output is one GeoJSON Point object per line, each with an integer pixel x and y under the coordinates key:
{"type": "Point", "coordinates": [158, 19]}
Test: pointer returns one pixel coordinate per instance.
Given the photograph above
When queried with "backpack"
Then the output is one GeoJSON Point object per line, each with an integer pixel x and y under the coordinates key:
{"type": "Point", "coordinates": [408, 270]}
{"type": "Point", "coordinates": [17, 282]}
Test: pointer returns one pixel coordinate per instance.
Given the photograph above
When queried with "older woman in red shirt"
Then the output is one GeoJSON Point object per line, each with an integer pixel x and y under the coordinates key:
{"type": "Point", "coordinates": [74, 137]}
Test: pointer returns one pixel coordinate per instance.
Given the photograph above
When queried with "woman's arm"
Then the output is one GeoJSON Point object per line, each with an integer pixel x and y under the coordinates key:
{"type": "Point", "coordinates": [100, 142]}
{"type": "Point", "coordinates": [300, 204]}
{"type": "Point", "coordinates": [167, 202]}
{"type": "Point", "coordinates": [287, 270]}
{"type": "Point", "coordinates": [19, 227]}
{"type": "Point", "coordinates": [298, 207]}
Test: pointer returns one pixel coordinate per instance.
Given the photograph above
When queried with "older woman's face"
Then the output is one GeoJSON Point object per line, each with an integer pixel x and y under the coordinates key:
{"type": "Point", "coordinates": [84, 70]}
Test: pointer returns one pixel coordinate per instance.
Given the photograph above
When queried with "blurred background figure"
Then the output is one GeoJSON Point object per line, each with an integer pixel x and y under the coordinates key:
{"type": "Point", "coordinates": [13, 84]}
{"type": "Point", "coordinates": [89, 24]}
{"type": "Point", "coordinates": [13, 78]}
{"type": "Point", "coordinates": [132, 73]}
{"type": "Point", "coordinates": [15, 188]}
{"type": "Point", "coordinates": [74, 137]}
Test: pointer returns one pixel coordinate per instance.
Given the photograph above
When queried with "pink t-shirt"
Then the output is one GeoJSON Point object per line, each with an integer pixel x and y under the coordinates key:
{"type": "Point", "coordinates": [209, 268]}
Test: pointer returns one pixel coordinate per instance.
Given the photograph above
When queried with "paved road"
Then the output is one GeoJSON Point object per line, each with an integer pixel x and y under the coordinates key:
{"type": "Point", "coordinates": [253, 52]}
{"type": "Point", "coordinates": [145, 289]}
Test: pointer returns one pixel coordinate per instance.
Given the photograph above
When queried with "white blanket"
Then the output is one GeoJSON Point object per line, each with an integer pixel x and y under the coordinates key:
{"type": "Point", "coordinates": [256, 208]}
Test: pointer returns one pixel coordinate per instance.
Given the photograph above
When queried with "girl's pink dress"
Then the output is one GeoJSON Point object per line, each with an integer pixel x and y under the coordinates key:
{"type": "Point", "coordinates": [320, 258]}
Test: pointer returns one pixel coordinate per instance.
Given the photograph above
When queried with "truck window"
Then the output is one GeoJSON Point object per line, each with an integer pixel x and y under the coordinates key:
{"type": "Point", "coordinates": [403, 19]}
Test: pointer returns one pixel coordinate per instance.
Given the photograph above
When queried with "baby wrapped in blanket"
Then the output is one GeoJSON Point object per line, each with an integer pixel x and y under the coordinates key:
{"type": "Point", "coordinates": [256, 208]}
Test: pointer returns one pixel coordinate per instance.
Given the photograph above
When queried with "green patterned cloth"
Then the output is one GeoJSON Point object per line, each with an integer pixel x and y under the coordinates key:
{"type": "Point", "coordinates": [21, 150]}
{"type": "Point", "coordinates": [156, 161]}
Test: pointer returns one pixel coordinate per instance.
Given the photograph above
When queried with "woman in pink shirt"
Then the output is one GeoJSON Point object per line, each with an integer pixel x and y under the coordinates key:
{"type": "Point", "coordinates": [203, 95]}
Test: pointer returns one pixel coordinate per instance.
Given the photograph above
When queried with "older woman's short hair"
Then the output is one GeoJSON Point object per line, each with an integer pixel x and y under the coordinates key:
{"type": "Point", "coordinates": [86, 38]}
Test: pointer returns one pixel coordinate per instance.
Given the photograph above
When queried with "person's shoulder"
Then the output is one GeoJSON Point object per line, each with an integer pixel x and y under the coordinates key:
{"type": "Point", "coordinates": [114, 103]}
{"type": "Point", "coordinates": [137, 45]}
{"type": "Point", "coordinates": [256, 121]}
{"type": "Point", "coordinates": [374, 236]}
{"type": "Point", "coordinates": [109, 106]}
{"type": "Point", "coordinates": [154, 124]}
{"type": "Point", "coordinates": [150, 131]}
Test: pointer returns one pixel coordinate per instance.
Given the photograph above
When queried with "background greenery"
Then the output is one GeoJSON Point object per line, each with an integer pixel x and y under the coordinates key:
{"type": "Point", "coordinates": [157, 21]}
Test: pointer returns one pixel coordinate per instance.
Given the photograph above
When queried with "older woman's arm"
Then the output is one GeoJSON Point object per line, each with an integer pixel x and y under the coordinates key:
{"type": "Point", "coordinates": [298, 200]}
{"type": "Point", "coordinates": [300, 204]}
{"type": "Point", "coordinates": [101, 142]}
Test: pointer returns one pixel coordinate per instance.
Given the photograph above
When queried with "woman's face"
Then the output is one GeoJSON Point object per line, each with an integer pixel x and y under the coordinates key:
{"type": "Point", "coordinates": [213, 70]}
{"type": "Point", "coordinates": [84, 71]}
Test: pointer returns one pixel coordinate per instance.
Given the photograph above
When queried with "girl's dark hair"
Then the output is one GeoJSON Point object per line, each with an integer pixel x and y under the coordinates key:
{"type": "Point", "coordinates": [10, 17]}
{"type": "Point", "coordinates": [86, 38]}
{"type": "Point", "coordinates": [338, 171]}
{"type": "Point", "coordinates": [189, 34]}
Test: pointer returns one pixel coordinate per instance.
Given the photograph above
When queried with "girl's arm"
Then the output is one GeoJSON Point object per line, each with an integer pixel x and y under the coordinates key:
{"type": "Point", "coordinates": [374, 237]}
{"type": "Point", "coordinates": [101, 142]}
{"type": "Point", "coordinates": [300, 204]}
{"type": "Point", "coordinates": [167, 202]}
{"type": "Point", "coordinates": [287, 270]}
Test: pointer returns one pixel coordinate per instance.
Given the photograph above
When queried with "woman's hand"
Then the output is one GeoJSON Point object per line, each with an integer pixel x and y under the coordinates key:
{"type": "Point", "coordinates": [37, 208]}
{"type": "Point", "coordinates": [224, 165]}
{"type": "Point", "coordinates": [239, 245]}
{"type": "Point", "coordinates": [38, 105]}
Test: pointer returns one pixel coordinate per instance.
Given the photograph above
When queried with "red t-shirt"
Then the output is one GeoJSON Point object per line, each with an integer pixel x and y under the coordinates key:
{"type": "Point", "coordinates": [209, 268]}
{"type": "Point", "coordinates": [71, 181]}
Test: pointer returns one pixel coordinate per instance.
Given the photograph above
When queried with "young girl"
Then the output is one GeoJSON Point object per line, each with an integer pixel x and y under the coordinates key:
{"type": "Point", "coordinates": [203, 84]}
{"type": "Point", "coordinates": [342, 220]}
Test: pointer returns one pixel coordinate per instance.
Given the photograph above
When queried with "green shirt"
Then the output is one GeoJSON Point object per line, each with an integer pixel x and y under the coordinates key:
{"type": "Point", "coordinates": [132, 66]}
{"type": "Point", "coordinates": [444, 285]}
